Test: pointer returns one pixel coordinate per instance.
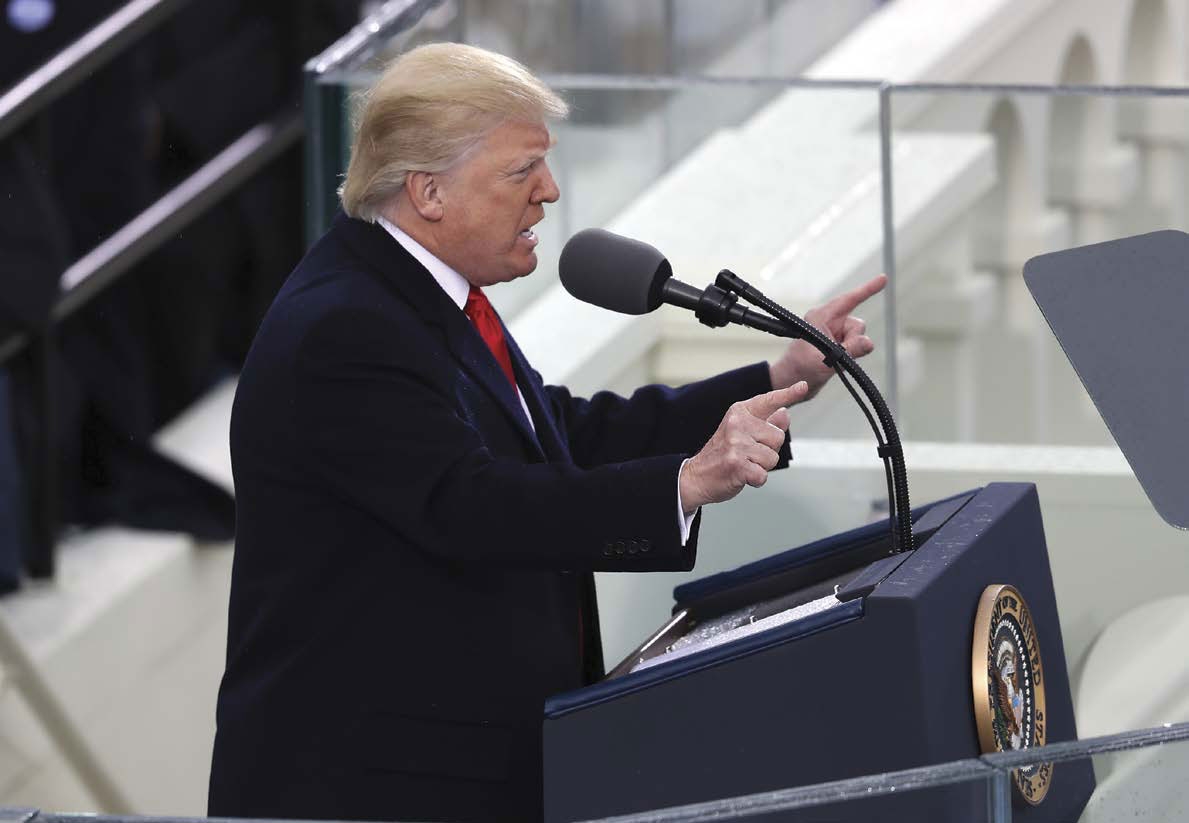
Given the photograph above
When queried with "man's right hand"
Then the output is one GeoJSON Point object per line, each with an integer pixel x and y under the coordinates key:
{"type": "Point", "coordinates": [742, 451]}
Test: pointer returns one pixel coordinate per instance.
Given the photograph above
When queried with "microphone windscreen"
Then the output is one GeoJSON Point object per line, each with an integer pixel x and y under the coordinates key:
{"type": "Point", "coordinates": [613, 272]}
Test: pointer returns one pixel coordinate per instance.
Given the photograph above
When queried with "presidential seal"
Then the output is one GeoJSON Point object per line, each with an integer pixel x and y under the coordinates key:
{"type": "Point", "coordinates": [1008, 681]}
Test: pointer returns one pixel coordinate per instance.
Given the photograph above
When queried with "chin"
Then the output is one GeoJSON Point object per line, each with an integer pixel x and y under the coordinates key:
{"type": "Point", "coordinates": [507, 276]}
{"type": "Point", "coordinates": [523, 270]}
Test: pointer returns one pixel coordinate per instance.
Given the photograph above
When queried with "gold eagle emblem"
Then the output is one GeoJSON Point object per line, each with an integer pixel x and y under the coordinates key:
{"type": "Point", "coordinates": [1007, 677]}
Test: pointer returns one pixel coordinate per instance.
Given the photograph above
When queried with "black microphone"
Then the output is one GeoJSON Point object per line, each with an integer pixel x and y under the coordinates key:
{"type": "Point", "coordinates": [631, 277]}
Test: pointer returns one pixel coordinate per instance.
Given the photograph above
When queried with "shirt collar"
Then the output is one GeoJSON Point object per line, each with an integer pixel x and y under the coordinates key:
{"type": "Point", "coordinates": [454, 284]}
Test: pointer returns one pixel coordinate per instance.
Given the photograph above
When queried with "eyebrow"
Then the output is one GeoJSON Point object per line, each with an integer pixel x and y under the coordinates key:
{"type": "Point", "coordinates": [528, 160]}
{"type": "Point", "coordinates": [525, 162]}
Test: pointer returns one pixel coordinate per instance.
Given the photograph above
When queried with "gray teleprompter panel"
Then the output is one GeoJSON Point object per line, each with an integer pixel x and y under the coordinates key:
{"type": "Point", "coordinates": [1120, 311]}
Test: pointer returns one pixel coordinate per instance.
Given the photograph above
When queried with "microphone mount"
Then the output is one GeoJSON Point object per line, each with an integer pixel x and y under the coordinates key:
{"type": "Point", "coordinates": [716, 307]}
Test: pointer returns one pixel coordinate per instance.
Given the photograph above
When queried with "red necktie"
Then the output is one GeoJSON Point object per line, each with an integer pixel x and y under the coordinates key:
{"type": "Point", "coordinates": [481, 313]}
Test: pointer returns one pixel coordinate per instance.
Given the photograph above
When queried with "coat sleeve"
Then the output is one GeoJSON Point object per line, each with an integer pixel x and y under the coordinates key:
{"type": "Point", "coordinates": [655, 419]}
{"type": "Point", "coordinates": [381, 429]}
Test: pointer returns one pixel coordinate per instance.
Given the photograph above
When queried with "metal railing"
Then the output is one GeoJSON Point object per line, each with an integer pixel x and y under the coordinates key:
{"type": "Point", "coordinates": [996, 769]}
{"type": "Point", "coordinates": [73, 64]}
{"type": "Point", "coordinates": [993, 770]}
{"type": "Point", "coordinates": [96, 271]}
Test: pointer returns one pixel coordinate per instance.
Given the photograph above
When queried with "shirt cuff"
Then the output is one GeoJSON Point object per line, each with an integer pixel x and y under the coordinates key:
{"type": "Point", "coordinates": [684, 521]}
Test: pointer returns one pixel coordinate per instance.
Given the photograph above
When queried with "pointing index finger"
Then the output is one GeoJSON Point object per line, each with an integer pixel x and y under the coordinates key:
{"type": "Point", "coordinates": [763, 405]}
{"type": "Point", "coordinates": [848, 301]}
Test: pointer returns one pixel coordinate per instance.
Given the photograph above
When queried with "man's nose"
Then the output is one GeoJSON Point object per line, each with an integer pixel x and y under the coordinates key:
{"type": "Point", "coordinates": [547, 190]}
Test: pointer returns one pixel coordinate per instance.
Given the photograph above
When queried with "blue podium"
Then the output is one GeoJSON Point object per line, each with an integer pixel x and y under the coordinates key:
{"type": "Point", "coordinates": [835, 660]}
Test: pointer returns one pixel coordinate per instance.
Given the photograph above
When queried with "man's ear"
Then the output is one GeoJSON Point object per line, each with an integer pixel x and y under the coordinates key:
{"type": "Point", "coordinates": [425, 195]}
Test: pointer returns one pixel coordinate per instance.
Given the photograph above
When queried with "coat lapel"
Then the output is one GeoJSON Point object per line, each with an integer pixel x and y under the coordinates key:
{"type": "Point", "coordinates": [477, 359]}
{"type": "Point", "coordinates": [402, 271]}
{"type": "Point", "coordinates": [548, 436]}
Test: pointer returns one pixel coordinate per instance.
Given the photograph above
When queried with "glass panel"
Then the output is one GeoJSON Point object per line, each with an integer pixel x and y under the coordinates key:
{"type": "Point", "coordinates": [716, 173]}
{"type": "Point", "coordinates": [1137, 775]}
{"type": "Point", "coordinates": [782, 184]}
{"type": "Point", "coordinates": [1145, 784]}
{"type": "Point", "coordinates": [725, 176]}
{"type": "Point", "coordinates": [969, 800]}
{"type": "Point", "coordinates": [961, 791]}
{"type": "Point", "coordinates": [983, 182]}
{"type": "Point", "coordinates": [747, 37]}
{"type": "Point", "coordinates": [743, 186]}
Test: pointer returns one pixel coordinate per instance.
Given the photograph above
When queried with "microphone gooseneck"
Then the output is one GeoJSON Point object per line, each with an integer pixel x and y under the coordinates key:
{"type": "Point", "coordinates": [837, 358]}
{"type": "Point", "coordinates": [632, 277]}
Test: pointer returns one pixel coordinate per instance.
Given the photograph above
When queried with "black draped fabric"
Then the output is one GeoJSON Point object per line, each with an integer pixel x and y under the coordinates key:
{"type": "Point", "coordinates": [149, 346]}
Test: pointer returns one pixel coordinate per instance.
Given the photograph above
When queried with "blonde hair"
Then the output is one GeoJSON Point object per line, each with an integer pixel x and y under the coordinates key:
{"type": "Point", "coordinates": [430, 106]}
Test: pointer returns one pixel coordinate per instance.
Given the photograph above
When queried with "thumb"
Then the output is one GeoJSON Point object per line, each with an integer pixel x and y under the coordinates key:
{"type": "Point", "coordinates": [780, 419]}
{"type": "Point", "coordinates": [860, 346]}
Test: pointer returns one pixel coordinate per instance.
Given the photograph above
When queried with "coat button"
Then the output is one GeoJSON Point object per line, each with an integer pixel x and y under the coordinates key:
{"type": "Point", "coordinates": [607, 549]}
{"type": "Point", "coordinates": [620, 548]}
{"type": "Point", "coordinates": [633, 546]}
{"type": "Point", "coordinates": [645, 545]}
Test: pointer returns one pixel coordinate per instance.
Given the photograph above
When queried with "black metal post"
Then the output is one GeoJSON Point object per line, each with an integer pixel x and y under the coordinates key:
{"type": "Point", "coordinates": [43, 459]}
{"type": "Point", "coordinates": [325, 151]}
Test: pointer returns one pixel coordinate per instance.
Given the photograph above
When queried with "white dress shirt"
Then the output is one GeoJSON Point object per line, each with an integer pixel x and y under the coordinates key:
{"type": "Point", "coordinates": [454, 284]}
{"type": "Point", "coordinates": [457, 288]}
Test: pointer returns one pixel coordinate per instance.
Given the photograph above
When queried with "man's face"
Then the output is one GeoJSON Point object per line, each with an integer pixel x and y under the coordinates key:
{"type": "Point", "coordinates": [492, 200]}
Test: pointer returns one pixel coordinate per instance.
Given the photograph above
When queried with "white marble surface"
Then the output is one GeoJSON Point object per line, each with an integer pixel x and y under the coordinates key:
{"type": "Point", "coordinates": [96, 569]}
{"type": "Point", "coordinates": [1137, 676]}
{"type": "Point", "coordinates": [198, 437]}
{"type": "Point", "coordinates": [1137, 672]}
{"type": "Point", "coordinates": [991, 458]}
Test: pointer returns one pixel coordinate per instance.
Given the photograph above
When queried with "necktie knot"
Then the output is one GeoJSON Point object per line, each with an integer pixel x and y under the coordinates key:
{"type": "Point", "coordinates": [480, 311]}
{"type": "Point", "coordinates": [477, 304]}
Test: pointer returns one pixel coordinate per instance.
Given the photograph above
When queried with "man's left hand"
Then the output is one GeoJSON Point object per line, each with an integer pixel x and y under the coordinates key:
{"type": "Point", "coordinates": [801, 361]}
